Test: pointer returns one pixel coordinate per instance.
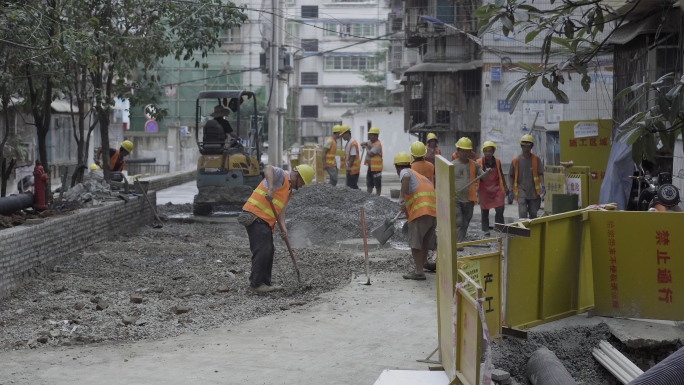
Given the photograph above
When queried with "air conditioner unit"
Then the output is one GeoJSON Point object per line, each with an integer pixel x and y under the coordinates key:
{"type": "Point", "coordinates": [264, 63]}
{"type": "Point", "coordinates": [286, 62]}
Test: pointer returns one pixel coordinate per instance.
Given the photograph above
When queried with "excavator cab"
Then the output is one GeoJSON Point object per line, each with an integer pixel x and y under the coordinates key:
{"type": "Point", "coordinates": [228, 169]}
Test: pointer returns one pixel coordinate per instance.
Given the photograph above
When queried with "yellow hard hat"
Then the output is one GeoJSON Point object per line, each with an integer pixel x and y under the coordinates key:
{"type": "Point", "coordinates": [431, 136]}
{"type": "Point", "coordinates": [402, 158]}
{"type": "Point", "coordinates": [374, 130]}
{"type": "Point", "coordinates": [127, 145]}
{"type": "Point", "coordinates": [464, 143]}
{"type": "Point", "coordinates": [94, 167]}
{"type": "Point", "coordinates": [345, 128]}
{"type": "Point", "coordinates": [527, 138]}
{"type": "Point", "coordinates": [337, 128]}
{"type": "Point", "coordinates": [418, 149]}
{"type": "Point", "coordinates": [306, 172]}
{"type": "Point", "coordinates": [488, 143]}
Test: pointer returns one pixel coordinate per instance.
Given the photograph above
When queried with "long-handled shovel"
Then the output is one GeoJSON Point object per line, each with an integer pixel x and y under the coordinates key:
{"type": "Point", "coordinates": [473, 181]}
{"type": "Point", "coordinates": [385, 231]}
{"type": "Point", "coordinates": [287, 243]}
{"type": "Point", "coordinates": [365, 245]}
{"type": "Point", "coordinates": [154, 210]}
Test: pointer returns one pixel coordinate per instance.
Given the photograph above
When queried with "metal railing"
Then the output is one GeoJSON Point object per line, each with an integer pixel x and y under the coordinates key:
{"type": "Point", "coordinates": [141, 169]}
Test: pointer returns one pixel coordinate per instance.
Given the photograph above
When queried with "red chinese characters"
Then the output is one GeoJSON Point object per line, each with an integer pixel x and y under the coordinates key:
{"type": "Point", "coordinates": [663, 272]}
{"type": "Point", "coordinates": [613, 268]}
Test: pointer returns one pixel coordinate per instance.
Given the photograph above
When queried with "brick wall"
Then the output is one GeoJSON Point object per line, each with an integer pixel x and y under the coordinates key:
{"type": "Point", "coordinates": [30, 251]}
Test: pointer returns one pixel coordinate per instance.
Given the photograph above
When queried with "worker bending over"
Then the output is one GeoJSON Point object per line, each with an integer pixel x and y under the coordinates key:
{"type": "Point", "coordinates": [117, 160]}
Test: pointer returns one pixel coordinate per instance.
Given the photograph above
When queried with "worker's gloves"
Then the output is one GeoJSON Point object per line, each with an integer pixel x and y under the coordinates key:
{"type": "Point", "coordinates": [543, 189]}
{"type": "Point", "coordinates": [510, 197]}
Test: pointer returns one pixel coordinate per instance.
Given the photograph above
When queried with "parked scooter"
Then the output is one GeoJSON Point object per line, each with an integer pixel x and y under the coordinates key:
{"type": "Point", "coordinates": [655, 193]}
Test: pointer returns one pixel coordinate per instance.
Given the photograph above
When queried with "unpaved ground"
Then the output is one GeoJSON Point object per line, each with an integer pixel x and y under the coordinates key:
{"type": "Point", "coordinates": [573, 346]}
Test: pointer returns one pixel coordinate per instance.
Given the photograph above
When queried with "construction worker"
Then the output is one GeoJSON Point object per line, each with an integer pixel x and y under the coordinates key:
{"type": "Point", "coordinates": [420, 165]}
{"type": "Point", "coordinates": [432, 148]}
{"type": "Point", "coordinates": [260, 220]}
{"type": "Point", "coordinates": [526, 175]}
{"type": "Point", "coordinates": [219, 115]}
{"type": "Point", "coordinates": [465, 172]}
{"type": "Point", "coordinates": [330, 153]}
{"type": "Point", "coordinates": [352, 158]}
{"type": "Point", "coordinates": [373, 161]}
{"type": "Point", "coordinates": [419, 202]}
{"type": "Point", "coordinates": [117, 160]}
{"type": "Point", "coordinates": [492, 189]}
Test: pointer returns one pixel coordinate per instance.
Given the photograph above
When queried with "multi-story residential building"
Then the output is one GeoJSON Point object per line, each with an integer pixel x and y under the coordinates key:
{"type": "Point", "coordinates": [336, 43]}
{"type": "Point", "coordinates": [460, 86]}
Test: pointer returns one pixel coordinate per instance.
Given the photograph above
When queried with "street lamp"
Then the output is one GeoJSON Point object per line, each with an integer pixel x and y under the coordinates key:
{"type": "Point", "coordinates": [434, 20]}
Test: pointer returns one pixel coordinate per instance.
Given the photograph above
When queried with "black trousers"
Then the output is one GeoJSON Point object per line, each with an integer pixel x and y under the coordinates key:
{"type": "Point", "coordinates": [353, 181]}
{"type": "Point", "coordinates": [261, 245]}
{"type": "Point", "coordinates": [498, 217]}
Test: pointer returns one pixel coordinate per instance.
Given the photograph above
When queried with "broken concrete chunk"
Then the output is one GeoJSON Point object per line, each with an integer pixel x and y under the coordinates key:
{"type": "Point", "coordinates": [79, 305]}
{"type": "Point", "coordinates": [102, 305]}
{"type": "Point", "coordinates": [128, 320]}
{"type": "Point", "coordinates": [180, 309]}
{"type": "Point", "coordinates": [55, 333]}
{"type": "Point", "coordinates": [136, 298]}
{"type": "Point", "coordinates": [42, 340]}
{"type": "Point", "coordinates": [499, 375]}
{"type": "Point", "coordinates": [222, 289]}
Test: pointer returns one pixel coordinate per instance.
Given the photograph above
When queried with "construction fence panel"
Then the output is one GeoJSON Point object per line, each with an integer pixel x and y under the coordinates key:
{"type": "Point", "coordinates": [468, 339]}
{"type": "Point", "coordinates": [548, 276]}
{"type": "Point", "coordinates": [486, 271]}
{"type": "Point", "coordinates": [577, 182]}
{"type": "Point", "coordinates": [554, 178]}
{"type": "Point", "coordinates": [446, 260]}
{"type": "Point", "coordinates": [638, 264]}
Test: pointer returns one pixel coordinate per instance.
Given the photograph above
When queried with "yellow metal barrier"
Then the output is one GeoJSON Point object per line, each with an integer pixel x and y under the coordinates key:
{"type": "Point", "coordinates": [446, 262]}
{"type": "Point", "coordinates": [554, 178]}
{"type": "Point", "coordinates": [549, 273]}
{"type": "Point", "coordinates": [638, 264]}
{"type": "Point", "coordinates": [468, 346]}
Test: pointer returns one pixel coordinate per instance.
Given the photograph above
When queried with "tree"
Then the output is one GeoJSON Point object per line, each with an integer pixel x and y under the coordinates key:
{"type": "Point", "coordinates": [574, 34]}
{"type": "Point", "coordinates": [132, 35]}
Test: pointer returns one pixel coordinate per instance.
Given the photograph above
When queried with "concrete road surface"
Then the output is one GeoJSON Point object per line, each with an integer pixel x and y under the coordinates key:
{"type": "Point", "coordinates": [350, 337]}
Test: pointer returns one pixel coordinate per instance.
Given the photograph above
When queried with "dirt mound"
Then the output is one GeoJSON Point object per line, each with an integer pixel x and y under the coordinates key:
{"type": "Point", "coordinates": [320, 215]}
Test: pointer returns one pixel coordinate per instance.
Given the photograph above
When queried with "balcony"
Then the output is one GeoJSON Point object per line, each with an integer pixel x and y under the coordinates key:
{"type": "Point", "coordinates": [395, 21]}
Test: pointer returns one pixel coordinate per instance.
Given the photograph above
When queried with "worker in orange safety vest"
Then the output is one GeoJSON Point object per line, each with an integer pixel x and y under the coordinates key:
{"type": "Point", "coordinates": [373, 161]}
{"type": "Point", "coordinates": [526, 175]}
{"type": "Point", "coordinates": [330, 154]}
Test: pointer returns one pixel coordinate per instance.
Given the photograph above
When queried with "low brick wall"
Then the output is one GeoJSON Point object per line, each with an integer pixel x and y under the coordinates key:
{"type": "Point", "coordinates": [30, 251]}
{"type": "Point", "coordinates": [160, 182]}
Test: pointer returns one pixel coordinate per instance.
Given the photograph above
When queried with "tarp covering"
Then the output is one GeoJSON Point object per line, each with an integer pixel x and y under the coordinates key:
{"type": "Point", "coordinates": [616, 185]}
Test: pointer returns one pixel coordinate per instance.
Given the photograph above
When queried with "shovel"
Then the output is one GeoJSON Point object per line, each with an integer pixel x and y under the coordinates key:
{"type": "Point", "coordinates": [365, 245]}
{"type": "Point", "coordinates": [287, 243]}
{"type": "Point", "coordinates": [385, 231]}
{"type": "Point", "coordinates": [154, 210]}
{"type": "Point", "coordinates": [473, 181]}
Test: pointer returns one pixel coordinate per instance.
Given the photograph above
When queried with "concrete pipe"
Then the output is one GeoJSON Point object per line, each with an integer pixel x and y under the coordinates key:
{"type": "Point", "coordinates": [669, 371]}
{"type": "Point", "coordinates": [14, 203]}
{"type": "Point", "coordinates": [544, 368]}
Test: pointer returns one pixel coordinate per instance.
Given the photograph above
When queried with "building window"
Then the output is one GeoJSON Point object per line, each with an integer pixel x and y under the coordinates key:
{"type": "Point", "coordinates": [345, 30]}
{"type": "Point", "coordinates": [309, 11]}
{"type": "Point", "coordinates": [309, 78]}
{"type": "Point", "coordinates": [309, 111]}
{"type": "Point", "coordinates": [292, 29]}
{"type": "Point", "coordinates": [310, 45]}
{"type": "Point", "coordinates": [350, 95]}
{"type": "Point", "coordinates": [350, 63]}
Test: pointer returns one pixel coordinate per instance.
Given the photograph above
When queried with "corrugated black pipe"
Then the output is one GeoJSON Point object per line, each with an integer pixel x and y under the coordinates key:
{"type": "Point", "coordinates": [14, 203]}
{"type": "Point", "coordinates": [669, 371]}
{"type": "Point", "coordinates": [544, 368]}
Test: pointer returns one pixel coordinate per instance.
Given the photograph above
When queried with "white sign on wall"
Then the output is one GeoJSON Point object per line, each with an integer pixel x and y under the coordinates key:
{"type": "Point", "coordinates": [574, 186]}
{"type": "Point", "coordinates": [586, 129]}
{"type": "Point", "coordinates": [554, 112]}
{"type": "Point", "coordinates": [530, 110]}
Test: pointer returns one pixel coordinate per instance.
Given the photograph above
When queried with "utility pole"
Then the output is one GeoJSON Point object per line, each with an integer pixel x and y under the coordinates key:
{"type": "Point", "coordinates": [274, 88]}
{"type": "Point", "coordinates": [282, 92]}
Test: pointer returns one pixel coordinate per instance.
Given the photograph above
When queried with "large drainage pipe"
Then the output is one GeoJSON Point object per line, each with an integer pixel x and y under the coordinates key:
{"type": "Point", "coordinates": [669, 371]}
{"type": "Point", "coordinates": [14, 203]}
{"type": "Point", "coordinates": [544, 368]}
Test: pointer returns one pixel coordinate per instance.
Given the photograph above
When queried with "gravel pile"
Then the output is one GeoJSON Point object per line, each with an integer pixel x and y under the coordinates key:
{"type": "Point", "coordinates": [573, 346]}
{"type": "Point", "coordinates": [323, 214]}
{"type": "Point", "coordinates": [187, 277]}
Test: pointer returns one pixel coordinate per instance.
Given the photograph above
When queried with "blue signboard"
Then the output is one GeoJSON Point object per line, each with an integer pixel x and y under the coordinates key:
{"type": "Point", "coordinates": [151, 126]}
{"type": "Point", "coordinates": [496, 74]}
{"type": "Point", "coordinates": [503, 105]}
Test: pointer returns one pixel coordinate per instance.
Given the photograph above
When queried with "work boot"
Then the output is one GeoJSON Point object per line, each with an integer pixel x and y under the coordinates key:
{"type": "Point", "coordinates": [430, 266]}
{"type": "Point", "coordinates": [414, 276]}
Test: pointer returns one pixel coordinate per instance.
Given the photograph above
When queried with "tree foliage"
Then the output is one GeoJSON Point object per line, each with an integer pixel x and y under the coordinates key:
{"type": "Point", "coordinates": [573, 35]}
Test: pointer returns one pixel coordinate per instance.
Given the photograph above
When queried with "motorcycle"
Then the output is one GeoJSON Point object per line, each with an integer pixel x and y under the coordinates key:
{"type": "Point", "coordinates": [655, 193]}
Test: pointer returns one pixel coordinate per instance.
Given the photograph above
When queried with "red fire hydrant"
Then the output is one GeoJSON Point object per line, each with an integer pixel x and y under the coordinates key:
{"type": "Point", "coordinates": [40, 179]}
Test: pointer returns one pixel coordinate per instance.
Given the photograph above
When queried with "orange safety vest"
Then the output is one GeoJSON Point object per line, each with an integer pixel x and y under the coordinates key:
{"type": "Point", "coordinates": [330, 155]}
{"type": "Point", "coordinates": [535, 176]}
{"type": "Point", "coordinates": [498, 168]}
{"type": "Point", "coordinates": [375, 160]}
{"type": "Point", "coordinates": [472, 156]}
{"type": "Point", "coordinates": [423, 201]}
{"type": "Point", "coordinates": [259, 206]}
{"type": "Point", "coordinates": [112, 162]}
{"type": "Point", "coordinates": [356, 166]}
{"type": "Point", "coordinates": [472, 190]}
{"type": "Point", "coordinates": [424, 168]}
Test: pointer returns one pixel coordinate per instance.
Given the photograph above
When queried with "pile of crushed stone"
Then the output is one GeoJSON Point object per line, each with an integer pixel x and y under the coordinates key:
{"type": "Point", "coordinates": [572, 346]}
{"type": "Point", "coordinates": [158, 283]}
{"type": "Point", "coordinates": [322, 214]}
